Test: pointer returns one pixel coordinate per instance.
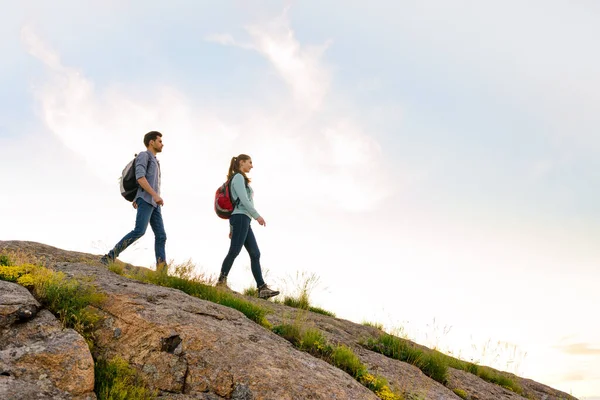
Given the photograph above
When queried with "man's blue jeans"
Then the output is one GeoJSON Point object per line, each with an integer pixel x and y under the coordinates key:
{"type": "Point", "coordinates": [242, 235]}
{"type": "Point", "coordinates": [146, 213]}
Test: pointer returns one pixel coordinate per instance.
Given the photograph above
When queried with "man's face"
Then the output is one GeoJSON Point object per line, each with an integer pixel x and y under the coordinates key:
{"type": "Point", "coordinates": [157, 144]}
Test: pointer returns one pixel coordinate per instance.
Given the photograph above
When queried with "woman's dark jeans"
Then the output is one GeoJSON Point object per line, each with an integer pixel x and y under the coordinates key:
{"type": "Point", "coordinates": [242, 235]}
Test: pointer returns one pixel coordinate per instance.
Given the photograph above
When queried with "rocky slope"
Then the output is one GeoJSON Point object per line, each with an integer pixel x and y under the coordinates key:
{"type": "Point", "coordinates": [188, 348]}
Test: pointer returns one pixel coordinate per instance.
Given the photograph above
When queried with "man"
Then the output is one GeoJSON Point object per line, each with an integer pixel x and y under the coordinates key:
{"type": "Point", "coordinates": [147, 202]}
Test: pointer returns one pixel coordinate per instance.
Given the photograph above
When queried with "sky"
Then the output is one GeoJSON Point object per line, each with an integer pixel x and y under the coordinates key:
{"type": "Point", "coordinates": [429, 165]}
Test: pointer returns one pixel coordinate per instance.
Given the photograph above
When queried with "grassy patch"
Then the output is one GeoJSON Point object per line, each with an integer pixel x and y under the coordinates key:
{"type": "Point", "coordinates": [195, 287]}
{"type": "Point", "coordinates": [433, 364]}
{"type": "Point", "coordinates": [116, 267]}
{"type": "Point", "coordinates": [73, 301]}
{"type": "Point", "coordinates": [19, 257]}
{"type": "Point", "coordinates": [303, 304]}
{"type": "Point", "coordinates": [321, 311]}
{"type": "Point", "coordinates": [5, 260]}
{"type": "Point", "coordinates": [12, 273]}
{"type": "Point", "coordinates": [314, 342]}
{"type": "Point", "coordinates": [251, 291]}
{"type": "Point", "coordinates": [461, 393]}
{"type": "Point", "coordinates": [303, 283]}
{"type": "Point", "coordinates": [116, 380]}
{"type": "Point", "coordinates": [376, 325]}
{"type": "Point", "coordinates": [486, 373]}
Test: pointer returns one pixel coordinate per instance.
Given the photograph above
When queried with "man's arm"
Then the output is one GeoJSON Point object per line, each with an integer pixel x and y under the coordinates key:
{"type": "Point", "coordinates": [146, 186]}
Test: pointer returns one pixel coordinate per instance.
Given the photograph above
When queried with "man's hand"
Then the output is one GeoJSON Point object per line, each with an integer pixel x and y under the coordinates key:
{"type": "Point", "coordinates": [261, 221]}
{"type": "Point", "coordinates": [134, 204]}
{"type": "Point", "coordinates": [158, 200]}
{"type": "Point", "coordinates": [146, 186]}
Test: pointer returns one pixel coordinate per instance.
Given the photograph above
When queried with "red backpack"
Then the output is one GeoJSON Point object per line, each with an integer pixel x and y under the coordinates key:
{"type": "Point", "coordinates": [224, 204]}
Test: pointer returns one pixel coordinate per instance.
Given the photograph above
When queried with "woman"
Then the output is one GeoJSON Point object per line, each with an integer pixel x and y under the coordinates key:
{"type": "Point", "coordinates": [240, 231]}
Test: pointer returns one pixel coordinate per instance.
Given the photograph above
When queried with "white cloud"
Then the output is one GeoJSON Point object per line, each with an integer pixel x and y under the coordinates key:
{"type": "Point", "coordinates": [332, 155]}
{"type": "Point", "coordinates": [299, 66]}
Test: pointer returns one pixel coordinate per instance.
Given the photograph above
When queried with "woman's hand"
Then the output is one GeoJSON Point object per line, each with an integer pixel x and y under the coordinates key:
{"type": "Point", "coordinates": [261, 221]}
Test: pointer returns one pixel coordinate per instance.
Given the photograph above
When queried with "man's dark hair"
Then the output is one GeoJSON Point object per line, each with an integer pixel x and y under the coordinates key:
{"type": "Point", "coordinates": [152, 135]}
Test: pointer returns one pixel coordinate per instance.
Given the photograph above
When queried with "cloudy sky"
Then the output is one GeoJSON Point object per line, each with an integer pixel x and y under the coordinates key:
{"type": "Point", "coordinates": [434, 163]}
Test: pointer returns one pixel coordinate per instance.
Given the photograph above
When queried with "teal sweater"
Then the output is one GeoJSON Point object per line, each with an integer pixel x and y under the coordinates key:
{"type": "Point", "coordinates": [246, 196]}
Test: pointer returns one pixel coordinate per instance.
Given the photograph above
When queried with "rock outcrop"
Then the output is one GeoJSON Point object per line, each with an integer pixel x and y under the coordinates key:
{"type": "Point", "coordinates": [188, 348]}
{"type": "Point", "coordinates": [38, 358]}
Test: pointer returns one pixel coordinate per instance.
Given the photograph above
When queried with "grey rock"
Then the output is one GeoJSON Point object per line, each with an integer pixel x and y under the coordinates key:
{"type": "Point", "coordinates": [16, 304]}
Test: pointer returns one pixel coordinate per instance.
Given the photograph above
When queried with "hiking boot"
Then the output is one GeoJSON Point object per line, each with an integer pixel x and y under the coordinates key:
{"type": "Point", "coordinates": [264, 292]}
{"type": "Point", "coordinates": [222, 283]}
{"type": "Point", "coordinates": [106, 259]}
{"type": "Point", "coordinates": [162, 268]}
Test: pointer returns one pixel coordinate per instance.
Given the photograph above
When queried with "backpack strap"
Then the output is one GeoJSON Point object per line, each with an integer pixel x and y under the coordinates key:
{"type": "Point", "coordinates": [237, 201]}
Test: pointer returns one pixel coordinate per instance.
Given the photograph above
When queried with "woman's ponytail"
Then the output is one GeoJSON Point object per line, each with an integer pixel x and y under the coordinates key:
{"type": "Point", "coordinates": [234, 167]}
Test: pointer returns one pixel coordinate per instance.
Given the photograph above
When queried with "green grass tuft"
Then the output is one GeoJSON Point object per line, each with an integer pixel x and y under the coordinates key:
{"type": "Point", "coordinates": [321, 311]}
{"type": "Point", "coordinates": [116, 267]}
{"type": "Point", "coordinates": [116, 380]}
{"type": "Point", "coordinates": [303, 304]}
{"type": "Point", "coordinates": [376, 325]}
{"type": "Point", "coordinates": [314, 342]}
{"type": "Point", "coordinates": [433, 364]}
{"type": "Point", "coordinates": [251, 291]}
{"type": "Point", "coordinates": [344, 358]}
{"type": "Point", "coordinates": [461, 393]}
{"type": "Point", "coordinates": [300, 302]}
{"type": "Point", "coordinates": [216, 295]}
{"type": "Point", "coordinates": [291, 333]}
{"type": "Point", "coordinates": [5, 260]}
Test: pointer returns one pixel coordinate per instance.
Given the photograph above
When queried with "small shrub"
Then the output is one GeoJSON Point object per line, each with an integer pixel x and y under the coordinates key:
{"type": "Point", "coordinates": [251, 291]}
{"type": "Point", "coordinates": [116, 380]}
{"type": "Point", "coordinates": [461, 393]}
{"type": "Point", "coordinates": [5, 260]}
{"type": "Point", "coordinates": [379, 386]}
{"type": "Point", "coordinates": [12, 273]}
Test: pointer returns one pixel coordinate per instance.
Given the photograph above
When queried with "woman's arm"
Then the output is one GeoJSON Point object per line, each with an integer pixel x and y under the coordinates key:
{"type": "Point", "coordinates": [239, 186]}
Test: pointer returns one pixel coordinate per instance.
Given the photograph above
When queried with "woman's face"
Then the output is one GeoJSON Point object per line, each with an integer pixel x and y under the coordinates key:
{"type": "Point", "coordinates": [246, 165]}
